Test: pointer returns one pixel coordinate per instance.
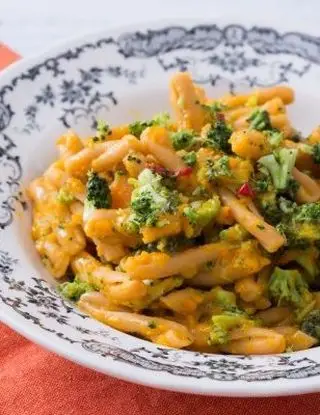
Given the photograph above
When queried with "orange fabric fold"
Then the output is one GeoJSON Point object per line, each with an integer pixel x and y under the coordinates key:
{"type": "Point", "coordinates": [36, 382]}
{"type": "Point", "coordinates": [7, 56]}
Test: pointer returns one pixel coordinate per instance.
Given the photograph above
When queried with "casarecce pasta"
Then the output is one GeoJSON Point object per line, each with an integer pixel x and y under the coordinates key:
{"type": "Point", "coordinates": [200, 231]}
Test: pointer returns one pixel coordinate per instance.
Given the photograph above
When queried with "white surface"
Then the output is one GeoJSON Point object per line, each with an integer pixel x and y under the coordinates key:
{"type": "Point", "coordinates": [30, 26]}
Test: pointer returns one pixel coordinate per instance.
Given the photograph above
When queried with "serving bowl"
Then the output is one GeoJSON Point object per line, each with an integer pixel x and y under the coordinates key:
{"type": "Point", "coordinates": [121, 75]}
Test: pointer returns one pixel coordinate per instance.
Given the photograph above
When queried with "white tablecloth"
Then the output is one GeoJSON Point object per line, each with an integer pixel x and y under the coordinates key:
{"type": "Point", "coordinates": [31, 26]}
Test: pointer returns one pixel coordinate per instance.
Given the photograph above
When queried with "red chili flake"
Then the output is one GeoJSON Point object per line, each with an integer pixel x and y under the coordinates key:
{"type": "Point", "coordinates": [184, 171]}
{"type": "Point", "coordinates": [246, 190]}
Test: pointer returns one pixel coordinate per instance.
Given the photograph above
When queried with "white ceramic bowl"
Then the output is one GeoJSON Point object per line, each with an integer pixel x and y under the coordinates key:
{"type": "Point", "coordinates": [121, 75]}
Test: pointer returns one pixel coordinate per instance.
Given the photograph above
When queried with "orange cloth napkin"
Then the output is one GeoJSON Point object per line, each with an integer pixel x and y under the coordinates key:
{"type": "Point", "coordinates": [36, 382]}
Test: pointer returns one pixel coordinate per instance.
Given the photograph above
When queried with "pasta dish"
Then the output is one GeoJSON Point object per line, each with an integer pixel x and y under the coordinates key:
{"type": "Point", "coordinates": [197, 231]}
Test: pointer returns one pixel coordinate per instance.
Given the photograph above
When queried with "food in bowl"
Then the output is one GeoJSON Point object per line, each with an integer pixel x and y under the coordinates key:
{"type": "Point", "coordinates": [198, 232]}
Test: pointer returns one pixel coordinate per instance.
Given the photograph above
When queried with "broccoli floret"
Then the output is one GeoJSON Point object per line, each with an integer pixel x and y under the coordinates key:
{"type": "Point", "coordinates": [74, 290]}
{"type": "Point", "coordinates": [309, 212]}
{"type": "Point", "coordinates": [260, 185]}
{"type": "Point", "coordinates": [173, 244]}
{"type": "Point", "coordinates": [223, 298]}
{"type": "Point", "coordinates": [218, 168]}
{"type": "Point", "coordinates": [103, 130]}
{"type": "Point", "coordinates": [316, 153]}
{"type": "Point", "coordinates": [275, 137]}
{"type": "Point", "coordinates": [137, 127]}
{"type": "Point", "coordinates": [234, 233]}
{"type": "Point", "coordinates": [182, 139]}
{"type": "Point", "coordinates": [280, 165]}
{"type": "Point", "coordinates": [275, 208]}
{"type": "Point", "coordinates": [190, 159]}
{"type": "Point", "coordinates": [297, 236]}
{"type": "Point", "coordinates": [64, 196]}
{"type": "Point", "coordinates": [311, 324]}
{"type": "Point", "coordinates": [213, 109]}
{"type": "Point", "coordinates": [291, 190]}
{"type": "Point", "coordinates": [149, 200]}
{"type": "Point", "coordinates": [261, 181]}
{"type": "Point", "coordinates": [287, 287]}
{"type": "Point", "coordinates": [300, 224]}
{"type": "Point", "coordinates": [218, 136]}
{"type": "Point", "coordinates": [308, 260]}
{"type": "Point", "coordinates": [162, 119]}
{"type": "Point", "coordinates": [222, 324]}
{"type": "Point", "coordinates": [269, 207]}
{"type": "Point", "coordinates": [98, 192]}
{"type": "Point", "coordinates": [259, 120]}
{"type": "Point", "coordinates": [200, 214]}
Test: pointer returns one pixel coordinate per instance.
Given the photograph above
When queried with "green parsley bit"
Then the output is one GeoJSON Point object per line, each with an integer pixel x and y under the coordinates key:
{"type": "Point", "coordinates": [152, 324]}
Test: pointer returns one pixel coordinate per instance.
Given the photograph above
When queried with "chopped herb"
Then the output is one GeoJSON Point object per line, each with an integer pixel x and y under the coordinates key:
{"type": "Point", "coordinates": [152, 324]}
{"type": "Point", "coordinates": [260, 227]}
{"type": "Point", "coordinates": [134, 158]}
{"type": "Point", "coordinates": [190, 159]}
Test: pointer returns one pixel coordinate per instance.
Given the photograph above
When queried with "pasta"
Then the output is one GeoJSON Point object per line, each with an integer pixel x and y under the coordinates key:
{"type": "Point", "coordinates": [198, 232]}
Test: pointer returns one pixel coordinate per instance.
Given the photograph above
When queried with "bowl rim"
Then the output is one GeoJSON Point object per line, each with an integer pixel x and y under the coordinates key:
{"type": "Point", "coordinates": [117, 369]}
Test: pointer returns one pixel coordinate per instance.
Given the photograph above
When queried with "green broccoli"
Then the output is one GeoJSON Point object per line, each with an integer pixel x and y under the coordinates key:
{"type": "Point", "coordinates": [274, 207]}
{"type": "Point", "coordinates": [316, 153]}
{"type": "Point", "coordinates": [261, 181]}
{"type": "Point", "coordinates": [200, 214]}
{"type": "Point", "coordinates": [182, 139]}
{"type": "Point", "coordinates": [287, 287]}
{"type": "Point", "coordinates": [268, 203]}
{"type": "Point", "coordinates": [214, 108]}
{"type": "Point", "coordinates": [300, 224]}
{"type": "Point", "coordinates": [291, 190]}
{"type": "Point", "coordinates": [311, 324]}
{"type": "Point", "coordinates": [308, 260]}
{"type": "Point", "coordinates": [73, 290]}
{"type": "Point", "coordinates": [173, 244]}
{"type": "Point", "coordinates": [218, 168]}
{"type": "Point", "coordinates": [223, 298]}
{"type": "Point", "coordinates": [275, 137]}
{"type": "Point", "coordinates": [190, 159]}
{"type": "Point", "coordinates": [136, 128]}
{"type": "Point", "coordinates": [223, 323]}
{"type": "Point", "coordinates": [98, 193]}
{"type": "Point", "coordinates": [280, 165]}
{"type": "Point", "coordinates": [149, 200]}
{"type": "Point", "coordinates": [259, 120]}
{"type": "Point", "coordinates": [218, 136]}
{"type": "Point", "coordinates": [309, 212]}
{"type": "Point", "coordinates": [162, 119]}
{"type": "Point", "coordinates": [103, 130]}
{"type": "Point", "coordinates": [235, 233]}
{"type": "Point", "coordinates": [64, 196]}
